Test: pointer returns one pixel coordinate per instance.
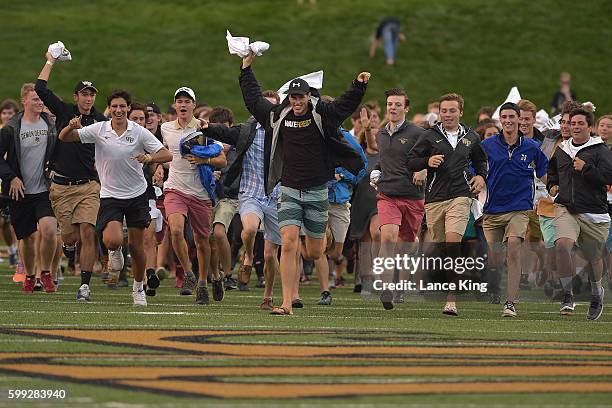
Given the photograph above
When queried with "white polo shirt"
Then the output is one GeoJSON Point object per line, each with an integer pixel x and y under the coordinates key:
{"type": "Point", "coordinates": [120, 174]}
{"type": "Point", "coordinates": [183, 176]}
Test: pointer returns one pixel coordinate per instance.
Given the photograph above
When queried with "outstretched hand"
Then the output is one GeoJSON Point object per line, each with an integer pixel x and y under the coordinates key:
{"type": "Point", "coordinates": [364, 77]}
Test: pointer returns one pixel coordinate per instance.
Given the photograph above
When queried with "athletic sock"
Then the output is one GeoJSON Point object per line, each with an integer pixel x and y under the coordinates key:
{"type": "Point", "coordinates": [596, 288]}
{"type": "Point", "coordinates": [12, 250]}
{"type": "Point", "coordinates": [85, 277]}
{"type": "Point", "coordinates": [137, 286]}
{"type": "Point", "coordinates": [567, 284]}
{"type": "Point", "coordinates": [189, 273]}
{"type": "Point", "coordinates": [202, 284]}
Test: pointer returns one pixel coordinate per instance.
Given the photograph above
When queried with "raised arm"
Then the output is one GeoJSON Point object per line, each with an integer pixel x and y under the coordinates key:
{"type": "Point", "coordinates": [51, 101]}
{"type": "Point", "coordinates": [254, 101]}
{"type": "Point", "coordinates": [343, 106]}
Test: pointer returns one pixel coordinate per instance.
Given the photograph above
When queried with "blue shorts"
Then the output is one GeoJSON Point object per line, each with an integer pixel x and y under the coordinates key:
{"type": "Point", "coordinates": [266, 210]}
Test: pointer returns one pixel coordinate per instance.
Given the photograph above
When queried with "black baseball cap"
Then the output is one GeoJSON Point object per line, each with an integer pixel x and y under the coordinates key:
{"type": "Point", "coordinates": [154, 108]}
{"type": "Point", "coordinates": [298, 86]}
{"type": "Point", "coordinates": [82, 85]}
{"type": "Point", "coordinates": [511, 105]}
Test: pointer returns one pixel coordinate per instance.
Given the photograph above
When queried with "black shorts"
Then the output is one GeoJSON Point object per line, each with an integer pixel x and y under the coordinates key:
{"type": "Point", "coordinates": [26, 212]}
{"type": "Point", "coordinates": [135, 210]}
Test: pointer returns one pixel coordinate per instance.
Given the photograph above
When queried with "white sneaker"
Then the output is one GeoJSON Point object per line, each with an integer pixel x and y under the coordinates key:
{"type": "Point", "coordinates": [140, 298]}
{"type": "Point", "coordinates": [115, 261]}
{"type": "Point", "coordinates": [84, 294]}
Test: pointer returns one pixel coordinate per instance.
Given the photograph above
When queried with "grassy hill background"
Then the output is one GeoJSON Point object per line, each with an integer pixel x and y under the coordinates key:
{"type": "Point", "coordinates": [478, 48]}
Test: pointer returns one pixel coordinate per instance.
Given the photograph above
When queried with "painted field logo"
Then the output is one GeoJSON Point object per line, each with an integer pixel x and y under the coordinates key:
{"type": "Point", "coordinates": [256, 364]}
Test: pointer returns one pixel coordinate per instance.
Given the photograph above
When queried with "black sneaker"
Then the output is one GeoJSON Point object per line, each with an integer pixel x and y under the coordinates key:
{"type": "Point", "coordinates": [357, 288]}
{"type": "Point", "coordinates": [230, 282]}
{"type": "Point", "coordinates": [297, 303]}
{"type": "Point", "coordinates": [243, 287]}
{"type": "Point", "coordinates": [386, 297]}
{"type": "Point", "coordinates": [567, 305]}
{"type": "Point", "coordinates": [153, 280]}
{"type": "Point", "coordinates": [149, 291]}
{"type": "Point", "coordinates": [189, 284]}
{"type": "Point", "coordinates": [326, 298]}
{"type": "Point", "coordinates": [261, 282]}
{"type": "Point", "coordinates": [596, 307]}
{"type": "Point", "coordinates": [494, 299]}
{"type": "Point", "coordinates": [202, 295]}
{"type": "Point", "coordinates": [398, 296]}
{"type": "Point", "coordinates": [508, 310]}
{"type": "Point", "coordinates": [217, 290]}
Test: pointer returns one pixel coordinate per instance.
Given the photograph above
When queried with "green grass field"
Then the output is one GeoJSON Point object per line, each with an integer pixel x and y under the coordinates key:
{"type": "Point", "coordinates": [478, 48]}
{"type": "Point", "coordinates": [352, 354]}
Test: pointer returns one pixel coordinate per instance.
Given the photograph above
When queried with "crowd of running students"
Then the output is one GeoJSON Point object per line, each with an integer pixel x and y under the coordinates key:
{"type": "Point", "coordinates": [192, 195]}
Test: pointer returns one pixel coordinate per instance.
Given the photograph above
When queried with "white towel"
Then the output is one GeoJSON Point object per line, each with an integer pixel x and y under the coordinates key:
{"type": "Point", "coordinates": [314, 79]}
{"type": "Point", "coordinates": [59, 51]}
{"type": "Point", "coordinates": [240, 46]}
{"type": "Point", "coordinates": [514, 96]}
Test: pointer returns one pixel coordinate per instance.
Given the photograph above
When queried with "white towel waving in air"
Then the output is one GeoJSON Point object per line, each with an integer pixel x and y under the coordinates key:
{"type": "Point", "coordinates": [240, 46]}
{"type": "Point", "coordinates": [59, 51]}
{"type": "Point", "coordinates": [314, 79]}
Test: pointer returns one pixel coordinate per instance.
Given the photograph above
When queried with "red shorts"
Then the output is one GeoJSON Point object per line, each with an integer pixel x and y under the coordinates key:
{"type": "Point", "coordinates": [199, 211]}
{"type": "Point", "coordinates": [404, 212]}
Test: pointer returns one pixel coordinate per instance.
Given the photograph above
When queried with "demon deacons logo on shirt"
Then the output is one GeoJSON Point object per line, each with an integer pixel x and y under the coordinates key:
{"type": "Point", "coordinates": [403, 141]}
{"type": "Point", "coordinates": [129, 139]}
{"type": "Point", "coordinates": [466, 142]}
{"type": "Point", "coordinates": [298, 124]}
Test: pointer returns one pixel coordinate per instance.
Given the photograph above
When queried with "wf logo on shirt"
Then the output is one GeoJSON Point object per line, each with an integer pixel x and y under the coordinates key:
{"type": "Point", "coordinates": [298, 124]}
{"type": "Point", "coordinates": [129, 139]}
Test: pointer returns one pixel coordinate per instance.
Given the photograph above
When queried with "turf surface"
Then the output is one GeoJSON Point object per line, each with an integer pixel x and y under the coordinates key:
{"type": "Point", "coordinates": [353, 353]}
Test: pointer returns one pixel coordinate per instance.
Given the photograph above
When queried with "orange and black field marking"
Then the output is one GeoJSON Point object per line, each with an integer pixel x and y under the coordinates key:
{"type": "Point", "coordinates": [456, 367]}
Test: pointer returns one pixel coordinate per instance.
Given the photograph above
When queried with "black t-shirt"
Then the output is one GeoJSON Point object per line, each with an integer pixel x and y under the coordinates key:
{"type": "Point", "coordinates": [75, 160]}
{"type": "Point", "coordinates": [72, 160]}
{"type": "Point", "coordinates": [304, 153]}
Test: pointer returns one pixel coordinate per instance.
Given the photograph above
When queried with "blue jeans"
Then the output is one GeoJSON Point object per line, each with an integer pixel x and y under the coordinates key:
{"type": "Point", "coordinates": [390, 35]}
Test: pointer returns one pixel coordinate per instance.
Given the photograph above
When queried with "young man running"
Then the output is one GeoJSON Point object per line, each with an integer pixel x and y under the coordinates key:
{"type": "Point", "coordinates": [75, 190]}
{"type": "Point", "coordinates": [578, 175]}
{"type": "Point", "coordinates": [302, 147]}
{"type": "Point", "coordinates": [185, 196]}
{"type": "Point", "coordinates": [122, 147]}
{"type": "Point", "coordinates": [28, 140]}
{"type": "Point", "coordinates": [255, 206]}
{"type": "Point", "coordinates": [446, 151]}
{"type": "Point", "coordinates": [399, 200]}
{"type": "Point", "coordinates": [510, 188]}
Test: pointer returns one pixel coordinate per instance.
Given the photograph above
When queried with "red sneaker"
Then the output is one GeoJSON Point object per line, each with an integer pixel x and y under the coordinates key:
{"type": "Point", "coordinates": [47, 282]}
{"type": "Point", "coordinates": [28, 284]}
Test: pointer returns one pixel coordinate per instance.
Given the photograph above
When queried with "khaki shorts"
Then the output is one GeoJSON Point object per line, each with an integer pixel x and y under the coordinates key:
{"type": "Point", "coordinates": [447, 216]}
{"type": "Point", "coordinates": [224, 212]}
{"type": "Point", "coordinates": [534, 232]}
{"type": "Point", "coordinates": [589, 236]}
{"type": "Point", "coordinates": [499, 227]}
{"type": "Point", "coordinates": [75, 205]}
{"type": "Point", "coordinates": [339, 220]}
